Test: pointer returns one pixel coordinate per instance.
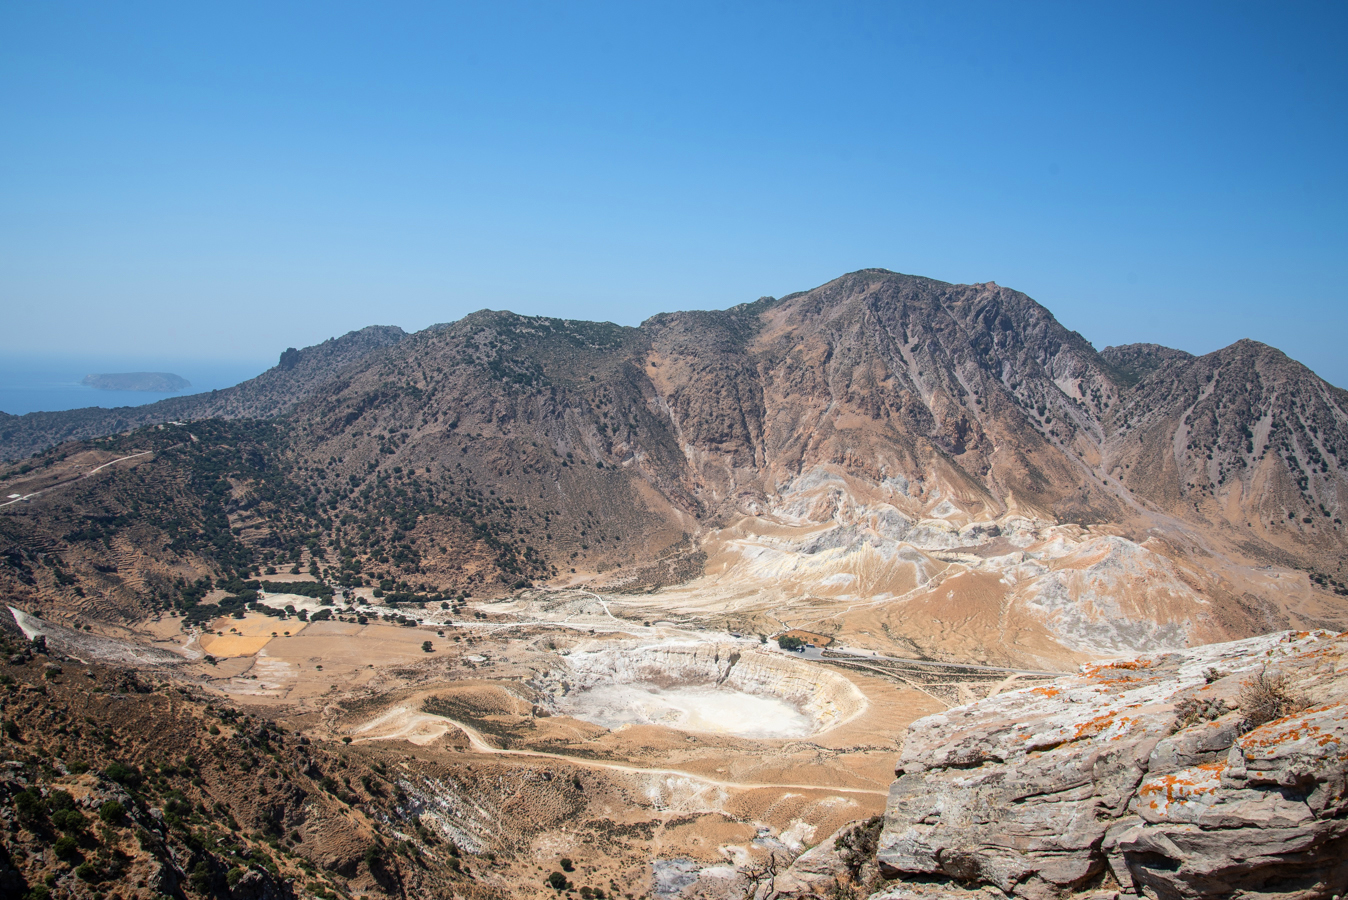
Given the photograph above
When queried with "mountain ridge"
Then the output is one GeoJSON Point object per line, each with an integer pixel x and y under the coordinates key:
{"type": "Point", "coordinates": [899, 415]}
{"type": "Point", "coordinates": [298, 372]}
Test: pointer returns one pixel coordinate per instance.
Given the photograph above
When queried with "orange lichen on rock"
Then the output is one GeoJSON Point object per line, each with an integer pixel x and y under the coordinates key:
{"type": "Point", "coordinates": [1268, 736]}
{"type": "Point", "coordinates": [1185, 784]}
{"type": "Point", "coordinates": [1091, 727]}
{"type": "Point", "coordinates": [1204, 808]}
{"type": "Point", "coordinates": [1124, 724]}
{"type": "Point", "coordinates": [1321, 726]}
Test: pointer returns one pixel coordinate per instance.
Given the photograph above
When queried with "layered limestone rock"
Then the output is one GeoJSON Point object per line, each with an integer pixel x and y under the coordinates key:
{"type": "Point", "coordinates": [1145, 773]}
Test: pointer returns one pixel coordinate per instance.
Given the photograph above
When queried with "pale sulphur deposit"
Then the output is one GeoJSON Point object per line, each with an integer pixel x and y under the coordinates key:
{"type": "Point", "coordinates": [690, 708]}
{"type": "Point", "coordinates": [716, 687]}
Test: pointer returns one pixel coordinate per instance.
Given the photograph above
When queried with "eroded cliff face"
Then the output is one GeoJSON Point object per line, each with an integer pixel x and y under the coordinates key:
{"type": "Point", "coordinates": [1154, 775]}
{"type": "Point", "coordinates": [973, 389]}
{"type": "Point", "coordinates": [1010, 591]}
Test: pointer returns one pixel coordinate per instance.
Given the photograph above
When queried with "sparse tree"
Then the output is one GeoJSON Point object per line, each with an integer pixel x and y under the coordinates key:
{"type": "Point", "coordinates": [764, 872]}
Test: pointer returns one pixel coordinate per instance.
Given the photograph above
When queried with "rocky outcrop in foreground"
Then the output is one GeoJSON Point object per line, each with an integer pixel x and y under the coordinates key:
{"type": "Point", "coordinates": [1213, 772]}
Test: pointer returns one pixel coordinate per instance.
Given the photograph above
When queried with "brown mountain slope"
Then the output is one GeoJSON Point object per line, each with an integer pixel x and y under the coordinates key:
{"type": "Point", "coordinates": [1135, 361]}
{"type": "Point", "coordinates": [127, 527]}
{"type": "Point", "coordinates": [141, 782]}
{"type": "Point", "coordinates": [977, 386]}
{"type": "Point", "coordinates": [716, 409]}
{"type": "Point", "coordinates": [881, 375]}
{"type": "Point", "coordinates": [793, 437]}
{"type": "Point", "coordinates": [916, 447]}
{"type": "Point", "coordinates": [1245, 439]}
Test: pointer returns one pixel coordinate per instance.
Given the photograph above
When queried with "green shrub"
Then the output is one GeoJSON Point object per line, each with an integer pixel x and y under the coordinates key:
{"type": "Point", "coordinates": [111, 812]}
{"type": "Point", "coordinates": [557, 881]}
{"type": "Point", "coordinates": [71, 821]}
{"type": "Point", "coordinates": [29, 806]}
{"type": "Point", "coordinates": [127, 776]}
{"type": "Point", "coordinates": [202, 877]}
{"type": "Point", "coordinates": [59, 799]}
{"type": "Point", "coordinates": [66, 847]}
{"type": "Point", "coordinates": [88, 872]}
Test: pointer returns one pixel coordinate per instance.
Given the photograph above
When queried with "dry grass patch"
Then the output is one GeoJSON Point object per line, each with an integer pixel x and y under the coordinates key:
{"type": "Point", "coordinates": [1268, 696]}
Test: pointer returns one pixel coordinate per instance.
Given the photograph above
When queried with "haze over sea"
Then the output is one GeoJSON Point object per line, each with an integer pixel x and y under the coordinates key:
{"type": "Point", "coordinates": [52, 383]}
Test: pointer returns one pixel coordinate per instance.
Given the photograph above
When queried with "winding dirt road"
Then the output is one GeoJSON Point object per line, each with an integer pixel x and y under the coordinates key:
{"type": "Point", "coordinates": [481, 745]}
{"type": "Point", "coordinates": [87, 474]}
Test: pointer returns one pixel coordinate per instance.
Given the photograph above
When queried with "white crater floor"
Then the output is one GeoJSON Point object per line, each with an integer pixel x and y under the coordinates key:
{"type": "Point", "coordinates": [705, 708]}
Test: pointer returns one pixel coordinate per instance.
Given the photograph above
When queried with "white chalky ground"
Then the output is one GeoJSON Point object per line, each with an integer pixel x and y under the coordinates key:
{"type": "Point", "coordinates": [689, 708]}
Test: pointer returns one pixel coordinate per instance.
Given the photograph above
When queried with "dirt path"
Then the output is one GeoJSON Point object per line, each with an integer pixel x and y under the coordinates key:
{"type": "Point", "coordinates": [898, 677]}
{"type": "Point", "coordinates": [119, 459]}
{"type": "Point", "coordinates": [480, 744]}
{"type": "Point", "coordinates": [848, 656]}
{"type": "Point", "coordinates": [604, 603]}
{"type": "Point", "coordinates": [61, 484]}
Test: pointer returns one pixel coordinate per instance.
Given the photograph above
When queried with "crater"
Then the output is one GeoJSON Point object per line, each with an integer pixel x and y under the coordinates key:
{"type": "Point", "coordinates": [734, 689]}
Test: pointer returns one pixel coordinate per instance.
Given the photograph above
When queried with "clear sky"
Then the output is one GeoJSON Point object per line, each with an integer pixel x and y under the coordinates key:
{"type": "Point", "coordinates": [230, 179]}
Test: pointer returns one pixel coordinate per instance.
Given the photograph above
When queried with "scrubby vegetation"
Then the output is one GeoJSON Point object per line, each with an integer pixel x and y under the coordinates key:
{"type": "Point", "coordinates": [134, 786]}
{"type": "Point", "coordinates": [217, 504]}
{"type": "Point", "coordinates": [1268, 696]}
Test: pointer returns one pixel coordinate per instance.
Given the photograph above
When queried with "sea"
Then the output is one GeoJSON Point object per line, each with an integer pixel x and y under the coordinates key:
{"type": "Point", "coordinates": [49, 384]}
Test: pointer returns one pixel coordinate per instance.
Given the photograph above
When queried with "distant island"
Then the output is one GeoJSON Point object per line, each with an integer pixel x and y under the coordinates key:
{"type": "Point", "coordinates": [160, 382]}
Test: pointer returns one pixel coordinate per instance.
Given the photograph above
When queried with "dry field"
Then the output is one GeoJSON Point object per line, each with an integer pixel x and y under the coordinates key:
{"type": "Point", "coordinates": [659, 755]}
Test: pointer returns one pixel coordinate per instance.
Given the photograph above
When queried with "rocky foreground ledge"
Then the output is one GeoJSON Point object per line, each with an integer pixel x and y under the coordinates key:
{"type": "Point", "coordinates": [1157, 776]}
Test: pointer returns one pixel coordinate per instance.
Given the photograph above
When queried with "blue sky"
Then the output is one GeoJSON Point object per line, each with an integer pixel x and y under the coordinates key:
{"type": "Point", "coordinates": [227, 180]}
